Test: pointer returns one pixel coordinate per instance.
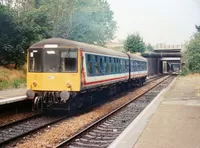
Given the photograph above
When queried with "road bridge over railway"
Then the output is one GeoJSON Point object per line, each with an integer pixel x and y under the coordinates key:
{"type": "Point", "coordinates": [164, 59]}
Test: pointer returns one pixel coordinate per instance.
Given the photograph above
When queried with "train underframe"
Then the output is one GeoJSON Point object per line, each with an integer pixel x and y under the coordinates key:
{"type": "Point", "coordinates": [52, 100]}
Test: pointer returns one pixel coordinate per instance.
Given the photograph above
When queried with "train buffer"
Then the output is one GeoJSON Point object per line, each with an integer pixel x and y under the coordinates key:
{"type": "Point", "coordinates": [12, 95]}
{"type": "Point", "coordinates": [171, 121]}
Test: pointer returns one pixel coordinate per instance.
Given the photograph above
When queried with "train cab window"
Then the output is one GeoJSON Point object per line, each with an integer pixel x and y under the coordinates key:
{"type": "Point", "coordinates": [69, 60]}
{"type": "Point", "coordinates": [35, 60]}
{"type": "Point", "coordinates": [50, 65]}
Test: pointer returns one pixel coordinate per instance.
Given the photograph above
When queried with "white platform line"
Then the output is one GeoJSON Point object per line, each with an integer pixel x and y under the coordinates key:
{"type": "Point", "coordinates": [12, 100]}
{"type": "Point", "coordinates": [130, 135]}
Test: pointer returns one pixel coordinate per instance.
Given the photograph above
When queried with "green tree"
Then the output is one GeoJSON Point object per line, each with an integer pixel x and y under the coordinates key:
{"type": "Point", "coordinates": [24, 22]}
{"type": "Point", "coordinates": [92, 21]}
{"type": "Point", "coordinates": [59, 14]}
{"type": "Point", "coordinates": [149, 47]}
{"type": "Point", "coordinates": [198, 28]}
{"type": "Point", "coordinates": [11, 38]}
{"type": "Point", "coordinates": [134, 43]}
{"type": "Point", "coordinates": [18, 30]}
{"type": "Point", "coordinates": [193, 54]}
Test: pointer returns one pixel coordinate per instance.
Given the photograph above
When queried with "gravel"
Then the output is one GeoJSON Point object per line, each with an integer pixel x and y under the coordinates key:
{"type": "Point", "coordinates": [10, 118]}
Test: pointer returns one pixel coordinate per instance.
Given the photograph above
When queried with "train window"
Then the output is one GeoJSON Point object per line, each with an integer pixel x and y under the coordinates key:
{"type": "Point", "coordinates": [132, 66]}
{"type": "Point", "coordinates": [35, 61]}
{"type": "Point", "coordinates": [125, 66]}
{"type": "Point", "coordinates": [119, 66]}
{"type": "Point", "coordinates": [143, 66]}
{"type": "Point", "coordinates": [115, 65]}
{"type": "Point", "coordinates": [106, 65]}
{"type": "Point", "coordinates": [110, 65]}
{"type": "Point", "coordinates": [122, 66]}
{"type": "Point", "coordinates": [135, 66]}
{"type": "Point", "coordinates": [69, 60]}
{"type": "Point", "coordinates": [89, 64]}
{"type": "Point", "coordinates": [101, 65]}
{"type": "Point", "coordinates": [138, 65]}
{"type": "Point", "coordinates": [96, 65]}
{"type": "Point", "coordinates": [49, 64]}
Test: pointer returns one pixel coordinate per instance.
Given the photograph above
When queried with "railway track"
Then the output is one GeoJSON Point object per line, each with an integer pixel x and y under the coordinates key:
{"type": "Point", "coordinates": [23, 127]}
{"type": "Point", "coordinates": [20, 128]}
{"type": "Point", "coordinates": [104, 131]}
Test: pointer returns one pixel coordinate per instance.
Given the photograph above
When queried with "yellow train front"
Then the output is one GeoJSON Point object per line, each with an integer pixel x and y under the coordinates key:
{"type": "Point", "coordinates": [53, 72]}
{"type": "Point", "coordinates": [61, 71]}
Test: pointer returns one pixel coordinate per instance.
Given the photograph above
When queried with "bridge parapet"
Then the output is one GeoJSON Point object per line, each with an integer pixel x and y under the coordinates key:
{"type": "Point", "coordinates": [168, 47]}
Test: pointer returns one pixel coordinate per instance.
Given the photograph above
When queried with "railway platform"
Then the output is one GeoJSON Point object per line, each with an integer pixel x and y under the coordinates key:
{"type": "Point", "coordinates": [171, 120]}
{"type": "Point", "coordinates": [12, 95]}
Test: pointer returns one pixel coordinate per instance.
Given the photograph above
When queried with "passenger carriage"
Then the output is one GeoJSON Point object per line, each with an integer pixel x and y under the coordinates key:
{"type": "Point", "coordinates": [59, 69]}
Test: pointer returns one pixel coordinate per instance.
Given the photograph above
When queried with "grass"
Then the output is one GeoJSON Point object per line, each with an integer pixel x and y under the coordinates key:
{"type": "Point", "coordinates": [12, 78]}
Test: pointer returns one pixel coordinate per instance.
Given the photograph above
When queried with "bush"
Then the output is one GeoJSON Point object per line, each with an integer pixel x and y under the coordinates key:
{"type": "Point", "coordinates": [11, 78]}
{"type": "Point", "coordinates": [16, 83]}
{"type": "Point", "coordinates": [4, 84]}
{"type": "Point", "coordinates": [193, 54]}
{"type": "Point", "coordinates": [184, 72]}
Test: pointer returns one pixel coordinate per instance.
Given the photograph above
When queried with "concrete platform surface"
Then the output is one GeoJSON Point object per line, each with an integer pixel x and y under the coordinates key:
{"type": "Point", "coordinates": [176, 123]}
{"type": "Point", "coordinates": [12, 95]}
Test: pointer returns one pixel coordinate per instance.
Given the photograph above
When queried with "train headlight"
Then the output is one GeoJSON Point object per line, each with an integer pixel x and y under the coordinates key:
{"type": "Point", "coordinates": [30, 94]}
{"type": "Point", "coordinates": [34, 84]}
{"type": "Point", "coordinates": [68, 85]}
{"type": "Point", "coordinates": [64, 95]}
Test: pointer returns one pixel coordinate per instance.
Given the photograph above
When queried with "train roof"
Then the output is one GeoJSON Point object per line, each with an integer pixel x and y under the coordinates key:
{"type": "Point", "coordinates": [85, 47]}
{"type": "Point", "coordinates": [137, 57]}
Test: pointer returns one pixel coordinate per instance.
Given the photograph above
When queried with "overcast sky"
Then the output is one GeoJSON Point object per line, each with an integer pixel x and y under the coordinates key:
{"type": "Point", "coordinates": [157, 21]}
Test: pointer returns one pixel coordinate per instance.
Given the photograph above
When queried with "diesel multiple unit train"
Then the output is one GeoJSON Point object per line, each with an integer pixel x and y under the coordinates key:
{"type": "Point", "coordinates": [60, 71]}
